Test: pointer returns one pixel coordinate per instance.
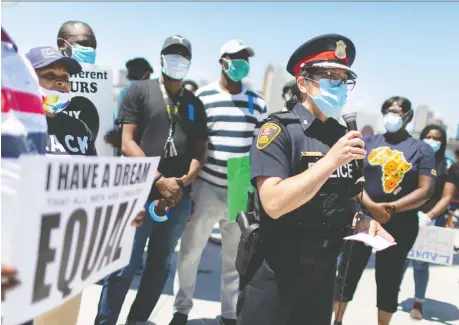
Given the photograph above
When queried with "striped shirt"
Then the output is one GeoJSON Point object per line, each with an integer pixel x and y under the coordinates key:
{"type": "Point", "coordinates": [232, 123]}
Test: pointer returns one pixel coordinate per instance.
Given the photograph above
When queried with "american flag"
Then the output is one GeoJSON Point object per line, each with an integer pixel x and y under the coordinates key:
{"type": "Point", "coordinates": [24, 127]}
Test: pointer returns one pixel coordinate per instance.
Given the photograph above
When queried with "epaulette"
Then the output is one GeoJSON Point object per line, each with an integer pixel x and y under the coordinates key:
{"type": "Point", "coordinates": [283, 117]}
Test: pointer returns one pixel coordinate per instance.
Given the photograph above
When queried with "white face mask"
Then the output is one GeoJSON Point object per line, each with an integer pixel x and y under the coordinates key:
{"type": "Point", "coordinates": [175, 66]}
{"type": "Point", "coordinates": [55, 101]}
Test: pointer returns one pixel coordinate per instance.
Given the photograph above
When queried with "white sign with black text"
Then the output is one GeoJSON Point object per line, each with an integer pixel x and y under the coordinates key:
{"type": "Point", "coordinates": [73, 226]}
{"type": "Point", "coordinates": [434, 245]}
{"type": "Point", "coordinates": [92, 102]}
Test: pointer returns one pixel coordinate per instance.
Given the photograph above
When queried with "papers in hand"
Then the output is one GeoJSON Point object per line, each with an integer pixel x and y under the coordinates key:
{"type": "Point", "coordinates": [377, 242]}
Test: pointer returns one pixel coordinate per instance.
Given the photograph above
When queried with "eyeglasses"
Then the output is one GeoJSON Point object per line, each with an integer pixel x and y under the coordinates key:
{"type": "Point", "coordinates": [336, 80]}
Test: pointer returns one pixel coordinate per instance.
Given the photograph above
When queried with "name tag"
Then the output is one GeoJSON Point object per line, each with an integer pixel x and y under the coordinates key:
{"type": "Point", "coordinates": [311, 154]}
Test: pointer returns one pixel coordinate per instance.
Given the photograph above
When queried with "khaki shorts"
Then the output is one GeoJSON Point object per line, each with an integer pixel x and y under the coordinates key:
{"type": "Point", "coordinates": [65, 314]}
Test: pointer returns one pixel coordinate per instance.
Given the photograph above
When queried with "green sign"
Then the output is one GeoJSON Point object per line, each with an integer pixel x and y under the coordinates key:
{"type": "Point", "coordinates": [238, 185]}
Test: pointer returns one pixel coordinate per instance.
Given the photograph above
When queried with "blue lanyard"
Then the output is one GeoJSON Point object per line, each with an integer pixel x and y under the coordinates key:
{"type": "Point", "coordinates": [251, 104]}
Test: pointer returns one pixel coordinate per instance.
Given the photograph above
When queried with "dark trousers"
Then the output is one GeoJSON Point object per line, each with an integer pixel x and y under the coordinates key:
{"type": "Point", "coordinates": [303, 297]}
{"type": "Point", "coordinates": [163, 238]}
{"type": "Point", "coordinates": [390, 264]}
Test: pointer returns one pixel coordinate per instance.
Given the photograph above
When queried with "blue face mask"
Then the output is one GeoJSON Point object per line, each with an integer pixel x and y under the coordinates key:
{"type": "Point", "coordinates": [237, 70]}
{"type": "Point", "coordinates": [84, 54]}
{"type": "Point", "coordinates": [331, 99]}
{"type": "Point", "coordinates": [434, 144]}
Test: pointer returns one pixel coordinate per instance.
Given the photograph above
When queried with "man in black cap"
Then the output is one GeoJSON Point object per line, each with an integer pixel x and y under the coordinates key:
{"type": "Point", "coordinates": [304, 171]}
{"type": "Point", "coordinates": [158, 117]}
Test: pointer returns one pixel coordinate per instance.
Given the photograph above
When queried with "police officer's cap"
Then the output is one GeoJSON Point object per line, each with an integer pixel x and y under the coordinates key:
{"type": "Point", "coordinates": [330, 51]}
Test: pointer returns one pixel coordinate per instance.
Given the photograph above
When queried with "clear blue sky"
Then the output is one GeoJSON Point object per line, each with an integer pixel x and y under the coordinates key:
{"type": "Point", "coordinates": [408, 49]}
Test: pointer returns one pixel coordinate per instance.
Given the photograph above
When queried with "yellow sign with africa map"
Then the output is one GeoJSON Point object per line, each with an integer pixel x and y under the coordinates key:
{"type": "Point", "coordinates": [394, 167]}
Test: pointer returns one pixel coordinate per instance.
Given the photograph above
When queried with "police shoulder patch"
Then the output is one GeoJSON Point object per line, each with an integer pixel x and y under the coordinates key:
{"type": "Point", "coordinates": [268, 132]}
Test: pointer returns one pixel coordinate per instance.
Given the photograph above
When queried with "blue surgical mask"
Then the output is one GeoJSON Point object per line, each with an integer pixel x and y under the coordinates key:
{"type": "Point", "coordinates": [331, 98]}
{"type": "Point", "coordinates": [84, 54]}
{"type": "Point", "coordinates": [392, 122]}
{"type": "Point", "coordinates": [434, 144]}
{"type": "Point", "coordinates": [237, 70]}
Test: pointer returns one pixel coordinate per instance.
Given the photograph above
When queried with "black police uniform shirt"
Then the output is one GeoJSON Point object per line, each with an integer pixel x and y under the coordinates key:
{"type": "Point", "coordinates": [144, 106]}
{"type": "Point", "coordinates": [284, 150]}
{"type": "Point", "coordinates": [69, 136]}
{"type": "Point", "coordinates": [392, 171]}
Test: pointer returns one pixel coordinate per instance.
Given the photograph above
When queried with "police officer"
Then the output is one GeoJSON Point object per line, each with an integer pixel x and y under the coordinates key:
{"type": "Point", "coordinates": [304, 171]}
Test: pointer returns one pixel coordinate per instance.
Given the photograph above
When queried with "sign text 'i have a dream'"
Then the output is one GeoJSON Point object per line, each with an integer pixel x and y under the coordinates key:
{"type": "Point", "coordinates": [67, 176]}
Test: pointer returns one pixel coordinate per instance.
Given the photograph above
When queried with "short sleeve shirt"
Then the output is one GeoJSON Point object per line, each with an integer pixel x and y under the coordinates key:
{"type": "Point", "coordinates": [69, 136]}
{"type": "Point", "coordinates": [392, 170]}
{"type": "Point", "coordinates": [144, 106]}
{"type": "Point", "coordinates": [287, 149]}
{"type": "Point", "coordinates": [453, 175]}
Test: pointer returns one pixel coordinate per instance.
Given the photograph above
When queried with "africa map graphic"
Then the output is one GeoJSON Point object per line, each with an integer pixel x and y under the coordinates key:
{"type": "Point", "coordinates": [394, 167]}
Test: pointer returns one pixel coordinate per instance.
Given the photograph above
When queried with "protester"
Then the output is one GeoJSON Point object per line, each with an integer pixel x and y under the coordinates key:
{"type": "Point", "coordinates": [367, 130]}
{"type": "Point", "coordinates": [400, 174]}
{"type": "Point", "coordinates": [77, 40]}
{"type": "Point", "coordinates": [23, 131]}
{"type": "Point", "coordinates": [287, 95]}
{"type": "Point", "coordinates": [67, 136]}
{"type": "Point", "coordinates": [434, 209]}
{"type": "Point", "coordinates": [137, 69]}
{"type": "Point", "coordinates": [155, 113]}
{"type": "Point", "coordinates": [233, 117]}
{"type": "Point", "coordinates": [190, 85]}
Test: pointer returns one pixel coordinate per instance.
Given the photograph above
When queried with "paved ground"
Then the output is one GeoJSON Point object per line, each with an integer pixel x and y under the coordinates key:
{"type": "Point", "coordinates": [441, 308]}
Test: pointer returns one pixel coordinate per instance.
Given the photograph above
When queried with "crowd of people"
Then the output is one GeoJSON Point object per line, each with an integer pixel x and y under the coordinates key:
{"type": "Point", "coordinates": [306, 169]}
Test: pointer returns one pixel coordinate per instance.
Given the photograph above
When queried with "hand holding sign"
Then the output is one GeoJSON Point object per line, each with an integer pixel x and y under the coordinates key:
{"type": "Point", "coordinates": [424, 219]}
{"type": "Point", "coordinates": [139, 219]}
{"type": "Point", "coordinates": [9, 279]}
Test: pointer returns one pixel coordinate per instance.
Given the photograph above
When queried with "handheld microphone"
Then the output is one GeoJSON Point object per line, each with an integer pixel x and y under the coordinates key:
{"type": "Point", "coordinates": [351, 121]}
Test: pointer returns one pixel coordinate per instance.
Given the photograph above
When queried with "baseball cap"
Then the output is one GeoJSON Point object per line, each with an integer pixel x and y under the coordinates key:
{"type": "Point", "coordinates": [235, 46]}
{"type": "Point", "coordinates": [177, 40]}
{"type": "Point", "coordinates": [43, 56]}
